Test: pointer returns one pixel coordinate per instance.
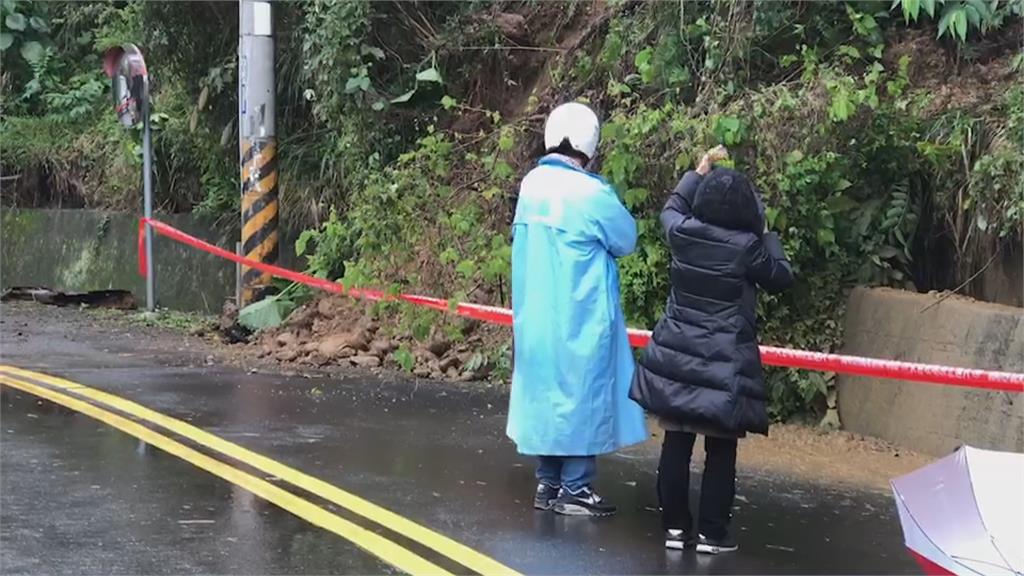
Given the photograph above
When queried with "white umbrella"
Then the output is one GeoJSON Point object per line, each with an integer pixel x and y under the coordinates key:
{"type": "Point", "coordinates": [964, 514]}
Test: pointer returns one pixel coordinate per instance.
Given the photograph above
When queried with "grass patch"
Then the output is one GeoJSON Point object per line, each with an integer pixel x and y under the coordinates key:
{"type": "Point", "coordinates": [173, 320]}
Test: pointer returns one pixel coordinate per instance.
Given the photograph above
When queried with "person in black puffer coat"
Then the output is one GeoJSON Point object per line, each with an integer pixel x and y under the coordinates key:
{"type": "Point", "coordinates": [701, 372]}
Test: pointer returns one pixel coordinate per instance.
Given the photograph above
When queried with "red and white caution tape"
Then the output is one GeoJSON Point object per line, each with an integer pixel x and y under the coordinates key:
{"type": "Point", "coordinates": [855, 365]}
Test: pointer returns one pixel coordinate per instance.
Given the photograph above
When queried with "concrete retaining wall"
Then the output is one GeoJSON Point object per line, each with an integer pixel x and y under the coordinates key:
{"type": "Point", "coordinates": [92, 250]}
{"type": "Point", "coordinates": [892, 324]}
{"type": "Point", "coordinates": [1003, 279]}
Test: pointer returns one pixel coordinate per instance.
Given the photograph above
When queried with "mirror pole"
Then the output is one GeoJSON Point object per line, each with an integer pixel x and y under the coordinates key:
{"type": "Point", "coordinates": [147, 192]}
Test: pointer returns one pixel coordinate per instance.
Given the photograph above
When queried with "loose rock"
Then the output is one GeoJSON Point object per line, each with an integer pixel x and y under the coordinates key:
{"type": "Point", "coordinates": [287, 355]}
{"type": "Point", "coordinates": [382, 347]}
{"type": "Point", "coordinates": [333, 344]}
{"type": "Point", "coordinates": [439, 347]}
{"type": "Point", "coordinates": [365, 361]}
{"type": "Point", "coordinates": [230, 330]}
{"type": "Point", "coordinates": [286, 339]}
{"type": "Point", "coordinates": [325, 308]}
{"type": "Point", "coordinates": [314, 359]}
{"type": "Point", "coordinates": [450, 362]}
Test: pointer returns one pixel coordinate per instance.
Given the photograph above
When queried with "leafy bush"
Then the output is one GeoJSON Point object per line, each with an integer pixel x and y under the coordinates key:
{"type": "Point", "coordinates": [838, 157]}
{"type": "Point", "coordinates": [957, 17]}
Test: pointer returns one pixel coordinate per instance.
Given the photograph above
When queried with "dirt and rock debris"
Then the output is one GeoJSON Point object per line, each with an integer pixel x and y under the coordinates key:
{"type": "Point", "coordinates": [335, 331]}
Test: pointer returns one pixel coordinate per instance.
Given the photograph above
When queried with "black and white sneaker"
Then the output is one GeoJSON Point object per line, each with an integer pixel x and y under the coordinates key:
{"type": "Point", "coordinates": [707, 545]}
{"type": "Point", "coordinates": [545, 497]}
{"type": "Point", "coordinates": [584, 503]}
{"type": "Point", "coordinates": [678, 540]}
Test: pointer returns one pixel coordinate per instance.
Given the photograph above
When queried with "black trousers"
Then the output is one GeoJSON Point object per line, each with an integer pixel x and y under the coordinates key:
{"type": "Point", "coordinates": [717, 489]}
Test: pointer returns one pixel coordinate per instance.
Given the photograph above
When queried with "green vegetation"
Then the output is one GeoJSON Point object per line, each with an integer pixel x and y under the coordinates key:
{"type": "Point", "coordinates": [174, 320]}
{"type": "Point", "coordinates": [190, 322]}
{"type": "Point", "coordinates": [886, 138]}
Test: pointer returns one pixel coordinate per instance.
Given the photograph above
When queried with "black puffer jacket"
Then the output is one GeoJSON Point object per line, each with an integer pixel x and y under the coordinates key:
{"type": "Point", "coordinates": [703, 366]}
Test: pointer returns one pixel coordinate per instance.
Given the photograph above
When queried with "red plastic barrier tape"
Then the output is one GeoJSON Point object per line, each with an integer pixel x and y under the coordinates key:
{"type": "Point", "coordinates": [855, 365]}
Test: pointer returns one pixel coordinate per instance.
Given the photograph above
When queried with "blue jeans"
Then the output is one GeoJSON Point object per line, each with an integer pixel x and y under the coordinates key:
{"type": "Point", "coordinates": [574, 473]}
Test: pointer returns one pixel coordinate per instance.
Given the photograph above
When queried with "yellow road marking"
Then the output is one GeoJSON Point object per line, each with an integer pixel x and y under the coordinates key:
{"type": "Point", "coordinates": [377, 545]}
{"type": "Point", "coordinates": [460, 553]}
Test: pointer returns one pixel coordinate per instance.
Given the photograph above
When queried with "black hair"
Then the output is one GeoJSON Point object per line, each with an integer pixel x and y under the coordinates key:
{"type": "Point", "coordinates": [565, 149]}
{"type": "Point", "coordinates": [728, 199]}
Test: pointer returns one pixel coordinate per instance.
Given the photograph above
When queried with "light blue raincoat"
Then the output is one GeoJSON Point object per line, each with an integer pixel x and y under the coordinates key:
{"type": "Point", "coordinates": [573, 363]}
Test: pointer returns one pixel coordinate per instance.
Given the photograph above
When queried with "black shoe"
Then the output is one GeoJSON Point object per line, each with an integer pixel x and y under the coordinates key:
{"type": "Point", "coordinates": [679, 540]}
{"type": "Point", "coordinates": [583, 503]}
{"type": "Point", "coordinates": [707, 545]}
{"type": "Point", "coordinates": [545, 497]}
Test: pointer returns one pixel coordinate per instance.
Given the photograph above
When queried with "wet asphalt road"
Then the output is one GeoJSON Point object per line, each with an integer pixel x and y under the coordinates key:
{"type": "Point", "coordinates": [79, 497]}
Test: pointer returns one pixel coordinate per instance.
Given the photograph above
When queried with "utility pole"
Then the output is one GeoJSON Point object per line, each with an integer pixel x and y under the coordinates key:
{"type": "Point", "coordinates": [257, 144]}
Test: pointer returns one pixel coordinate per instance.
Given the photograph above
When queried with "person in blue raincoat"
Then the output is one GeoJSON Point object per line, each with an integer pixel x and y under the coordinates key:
{"type": "Point", "coordinates": [573, 364]}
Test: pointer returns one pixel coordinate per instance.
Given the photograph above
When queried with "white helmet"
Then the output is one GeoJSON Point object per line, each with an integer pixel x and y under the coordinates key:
{"type": "Point", "coordinates": [575, 122]}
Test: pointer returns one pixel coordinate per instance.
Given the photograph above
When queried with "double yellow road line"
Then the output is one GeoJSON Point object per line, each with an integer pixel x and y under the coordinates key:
{"type": "Point", "coordinates": [93, 403]}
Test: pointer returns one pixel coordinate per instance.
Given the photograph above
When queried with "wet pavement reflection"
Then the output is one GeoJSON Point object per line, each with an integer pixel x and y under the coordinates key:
{"type": "Point", "coordinates": [81, 498]}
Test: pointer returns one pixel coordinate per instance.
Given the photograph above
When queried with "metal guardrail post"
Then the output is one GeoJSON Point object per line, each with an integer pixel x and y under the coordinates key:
{"type": "Point", "coordinates": [238, 277]}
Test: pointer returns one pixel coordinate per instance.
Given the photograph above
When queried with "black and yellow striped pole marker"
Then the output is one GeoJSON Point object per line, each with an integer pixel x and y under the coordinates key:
{"type": "Point", "coordinates": [257, 144]}
{"type": "Point", "coordinates": [260, 206]}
